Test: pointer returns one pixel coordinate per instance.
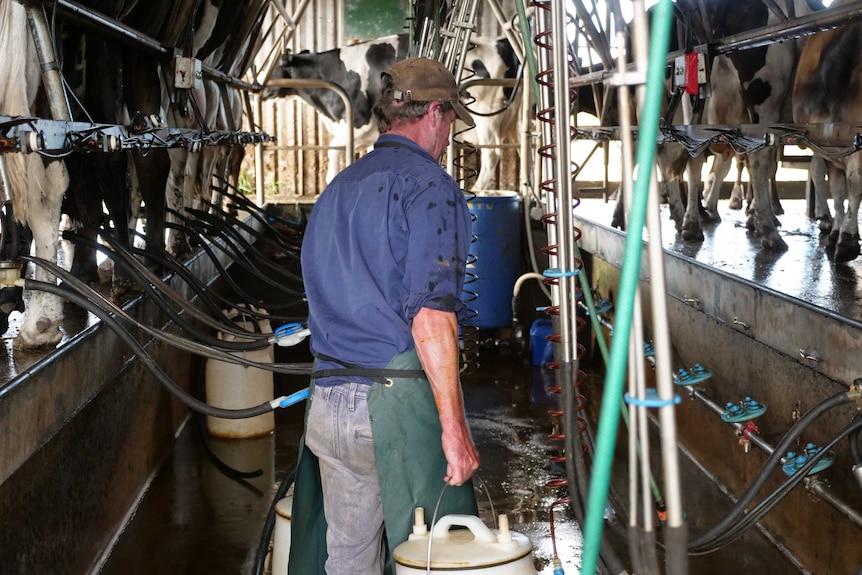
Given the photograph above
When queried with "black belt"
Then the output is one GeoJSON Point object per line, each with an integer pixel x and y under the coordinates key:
{"type": "Point", "coordinates": [375, 374]}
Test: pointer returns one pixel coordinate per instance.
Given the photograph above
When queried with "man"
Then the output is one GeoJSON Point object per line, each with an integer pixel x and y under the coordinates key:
{"type": "Point", "coordinates": [383, 263]}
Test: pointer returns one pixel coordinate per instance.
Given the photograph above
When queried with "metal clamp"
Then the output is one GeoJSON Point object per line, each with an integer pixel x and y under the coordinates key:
{"type": "Point", "coordinates": [693, 302]}
{"type": "Point", "coordinates": [810, 356]}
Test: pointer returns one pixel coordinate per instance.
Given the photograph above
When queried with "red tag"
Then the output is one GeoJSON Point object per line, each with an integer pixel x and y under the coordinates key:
{"type": "Point", "coordinates": [691, 64]}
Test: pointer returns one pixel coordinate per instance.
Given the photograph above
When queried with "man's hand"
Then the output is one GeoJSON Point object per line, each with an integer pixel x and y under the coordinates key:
{"type": "Point", "coordinates": [435, 334]}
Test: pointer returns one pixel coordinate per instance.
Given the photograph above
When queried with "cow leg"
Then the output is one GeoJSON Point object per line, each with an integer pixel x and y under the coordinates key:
{"type": "Point", "coordinates": [847, 248]}
{"type": "Point", "coordinates": [152, 173]}
{"type": "Point", "coordinates": [691, 229]}
{"type": "Point", "coordinates": [488, 160]}
{"type": "Point", "coordinates": [712, 189]}
{"type": "Point", "coordinates": [670, 179]}
{"type": "Point", "coordinates": [838, 185]}
{"type": "Point", "coordinates": [817, 181]}
{"type": "Point", "coordinates": [777, 208]}
{"type": "Point", "coordinates": [46, 186]}
{"type": "Point", "coordinates": [738, 190]}
{"type": "Point", "coordinates": [176, 242]}
{"type": "Point", "coordinates": [762, 221]}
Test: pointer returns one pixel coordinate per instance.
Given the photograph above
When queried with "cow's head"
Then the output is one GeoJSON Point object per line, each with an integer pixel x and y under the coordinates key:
{"type": "Point", "coordinates": [288, 67]}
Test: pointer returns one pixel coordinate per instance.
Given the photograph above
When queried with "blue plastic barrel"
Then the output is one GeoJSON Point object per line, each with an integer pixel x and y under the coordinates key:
{"type": "Point", "coordinates": [497, 249]}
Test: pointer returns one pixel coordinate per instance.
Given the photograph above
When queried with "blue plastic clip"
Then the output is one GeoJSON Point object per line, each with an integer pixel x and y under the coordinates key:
{"type": "Point", "coordinates": [649, 350]}
{"type": "Point", "coordinates": [652, 399]}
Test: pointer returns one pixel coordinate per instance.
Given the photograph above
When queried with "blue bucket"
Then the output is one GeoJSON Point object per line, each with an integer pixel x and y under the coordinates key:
{"type": "Point", "coordinates": [497, 248]}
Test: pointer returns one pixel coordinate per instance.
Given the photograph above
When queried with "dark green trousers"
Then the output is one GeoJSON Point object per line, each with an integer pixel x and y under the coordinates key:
{"type": "Point", "coordinates": [410, 466]}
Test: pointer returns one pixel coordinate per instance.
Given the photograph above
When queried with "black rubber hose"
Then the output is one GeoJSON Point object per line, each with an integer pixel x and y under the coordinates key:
{"type": "Point", "coordinates": [761, 509]}
{"type": "Point", "coordinates": [186, 345]}
{"type": "Point", "coordinates": [241, 253]}
{"type": "Point", "coordinates": [238, 259]}
{"type": "Point", "coordinates": [147, 278]}
{"type": "Point", "coordinates": [173, 265]}
{"type": "Point", "coordinates": [230, 235]}
{"type": "Point", "coordinates": [853, 438]}
{"type": "Point", "coordinates": [269, 523]}
{"type": "Point", "coordinates": [268, 239]}
{"type": "Point", "coordinates": [149, 282]}
{"type": "Point", "coordinates": [786, 443]}
{"type": "Point", "coordinates": [148, 362]}
{"type": "Point", "coordinates": [576, 469]}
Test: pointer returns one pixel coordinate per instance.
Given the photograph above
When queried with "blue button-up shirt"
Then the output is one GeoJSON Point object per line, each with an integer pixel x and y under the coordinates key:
{"type": "Point", "coordinates": [388, 236]}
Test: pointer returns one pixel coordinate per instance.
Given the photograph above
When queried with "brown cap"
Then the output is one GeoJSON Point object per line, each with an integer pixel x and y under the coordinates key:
{"type": "Point", "coordinates": [425, 80]}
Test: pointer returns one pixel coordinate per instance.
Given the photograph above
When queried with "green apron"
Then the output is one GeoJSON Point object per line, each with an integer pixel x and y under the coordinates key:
{"type": "Point", "coordinates": [410, 466]}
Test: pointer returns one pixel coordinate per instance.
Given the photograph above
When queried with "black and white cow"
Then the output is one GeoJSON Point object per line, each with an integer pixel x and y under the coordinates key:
{"type": "Point", "coordinates": [357, 68]}
{"type": "Point", "coordinates": [826, 89]}
{"type": "Point", "coordinates": [764, 77]}
{"type": "Point", "coordinates": [37, 185]}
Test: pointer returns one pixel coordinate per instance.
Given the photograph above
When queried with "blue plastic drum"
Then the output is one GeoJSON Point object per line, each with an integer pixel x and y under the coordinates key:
{"type": "Point", "coordinates": [497, 249]}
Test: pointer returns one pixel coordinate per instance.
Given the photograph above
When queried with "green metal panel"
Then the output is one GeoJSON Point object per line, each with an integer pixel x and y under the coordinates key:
{"type": "Point", "coordinates": [366, 19]}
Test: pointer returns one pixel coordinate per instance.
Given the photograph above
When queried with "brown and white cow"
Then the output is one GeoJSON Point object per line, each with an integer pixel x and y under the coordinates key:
{"type": "Point", "coordinates": [357, 69]}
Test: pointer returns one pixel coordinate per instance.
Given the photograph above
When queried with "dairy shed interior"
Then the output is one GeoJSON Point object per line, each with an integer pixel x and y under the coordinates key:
{"type": "Point", "coordinates": [642, 401]}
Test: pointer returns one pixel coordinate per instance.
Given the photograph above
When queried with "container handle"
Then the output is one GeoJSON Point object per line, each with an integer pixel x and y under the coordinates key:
{"type": "Point", "coordinates": [479, 530]}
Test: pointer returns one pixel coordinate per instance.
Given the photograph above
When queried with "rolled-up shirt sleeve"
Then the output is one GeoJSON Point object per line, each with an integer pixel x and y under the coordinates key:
{"type": "Point", "coordinates": [439, 232]}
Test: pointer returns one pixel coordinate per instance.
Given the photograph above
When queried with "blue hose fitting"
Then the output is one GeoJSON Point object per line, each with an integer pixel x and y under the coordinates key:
{"type": "Point", "coordinates": [697, 374]}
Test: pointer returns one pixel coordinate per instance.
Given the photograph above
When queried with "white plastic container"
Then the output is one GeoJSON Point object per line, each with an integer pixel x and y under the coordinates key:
{"type": "Point", "coordinates": [474, 550]}
{"type": "Point", "coordinates": [281, 534]}
{"type": "Point", "coordinates": [234, 386]}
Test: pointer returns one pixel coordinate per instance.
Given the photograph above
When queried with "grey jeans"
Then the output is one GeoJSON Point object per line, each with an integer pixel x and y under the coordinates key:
{"type": "Point", "coordinates": [338, 432]}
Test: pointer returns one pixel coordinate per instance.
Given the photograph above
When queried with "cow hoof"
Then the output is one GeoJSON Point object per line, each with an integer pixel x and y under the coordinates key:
{"type": "Point", "coordinates": [26, 339]}
{"type": "Point", "coordinates": [825, 225]}
{"type": "Point", "coordinates": [711, 217]}
{"type": "Point", "coordinates": [692, 235]}
{"type": "Point", "coordinates": [735, 204]}
{"type": "Point", "coordinates": [772, 241]}
{"type": "Point", "coordinates": [847, 250]}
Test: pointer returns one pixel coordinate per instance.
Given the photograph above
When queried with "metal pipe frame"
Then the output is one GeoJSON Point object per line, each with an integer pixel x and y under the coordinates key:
{"type": "Point", "coordinates": [823, 20]}
{"type": "Point", "coordinates": [127, 34]}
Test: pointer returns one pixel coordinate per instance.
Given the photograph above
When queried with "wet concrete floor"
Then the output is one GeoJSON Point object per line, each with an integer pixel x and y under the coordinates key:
{"type": "Point", "coordinates": [803, 271]}
{"type": "Point", "coordinates": [195, 519]}
{"type": "Point", "coordinates": [198, 518]}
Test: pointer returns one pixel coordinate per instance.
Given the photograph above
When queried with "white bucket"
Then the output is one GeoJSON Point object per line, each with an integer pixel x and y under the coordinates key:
{"type": "Point", "coordinates": [476, 549]}
{"type": "Point", "coordinates": [233, 386]}
{"type": "Point", "coordinates": [281, 534]}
